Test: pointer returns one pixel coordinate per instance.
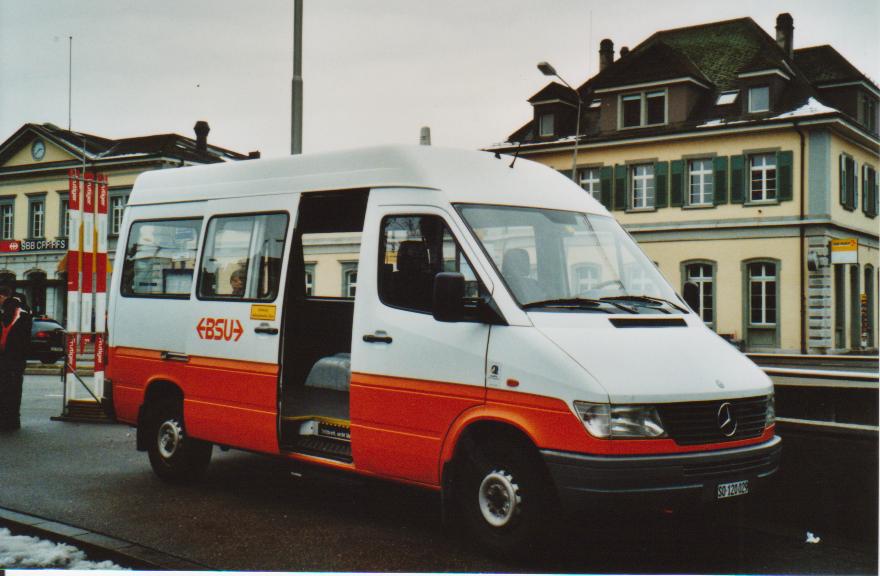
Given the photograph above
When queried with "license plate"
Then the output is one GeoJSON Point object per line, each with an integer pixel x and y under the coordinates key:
{"type": "Point", "coordinates": [732, 489]}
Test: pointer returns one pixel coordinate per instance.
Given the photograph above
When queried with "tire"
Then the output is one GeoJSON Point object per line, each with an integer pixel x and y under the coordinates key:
{"type": "Point", "coordinates": [174, 456]}
{"type": "Point", "coordinates": [505, 499]}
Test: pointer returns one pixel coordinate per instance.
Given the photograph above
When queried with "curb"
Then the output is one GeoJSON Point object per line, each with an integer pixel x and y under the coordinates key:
{"type": "Point", "coordinates": [97, 546]}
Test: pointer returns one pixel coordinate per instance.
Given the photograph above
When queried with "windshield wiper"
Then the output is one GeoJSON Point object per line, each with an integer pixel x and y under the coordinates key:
{"type": "Point", "coordinates": [645, 299]}
{"type": "Point", "coordinates": [576, 303]}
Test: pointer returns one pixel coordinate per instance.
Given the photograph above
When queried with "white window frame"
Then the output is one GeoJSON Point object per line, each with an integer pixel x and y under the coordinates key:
{"type": "Point", "coordinates": [752, 106]}
{"type": "Point", "coordinates": [763, 279]}
{"type": "Point", "coordinates": [705, 192]}
{"type": "Point", "coordinates": [591, 181]}
{"type": "Point", "coordinates": [7, 220]}
{"type": "Point", "coordinates": [116, 209]}
{"type": "Point", "coordinates": [644, 198]}
{"type": "Point", "coordinates": [768, 163]}
{"type": "Point", "coordinates": [309, 278]}
{"type": "Point", "coordinates": [705, 283]}
{"type": "Point", "coordinates": [543, 120]}
{"type": "Point", "coordinates": [642, 97]}
{"type": "Point", "coordinates": [37, 209]}
{"type": "Point", "coordinates": [349, 288]}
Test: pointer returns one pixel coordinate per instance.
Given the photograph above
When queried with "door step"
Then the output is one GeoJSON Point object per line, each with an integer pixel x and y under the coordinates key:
{"type": "Point", "coordinates": [317, 436]}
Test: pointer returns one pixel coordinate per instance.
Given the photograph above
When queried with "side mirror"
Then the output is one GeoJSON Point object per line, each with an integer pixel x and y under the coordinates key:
{"type": "Point", "coordinates": [448, 303]}
{"type": "Point", "coordinates": [692, 296]}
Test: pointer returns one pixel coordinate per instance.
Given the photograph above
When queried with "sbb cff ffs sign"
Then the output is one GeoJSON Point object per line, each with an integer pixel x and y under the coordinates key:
{"type": "Point", "coordinates": [228, 329]}
{"type": "Point", "coordinates": [33, 245]}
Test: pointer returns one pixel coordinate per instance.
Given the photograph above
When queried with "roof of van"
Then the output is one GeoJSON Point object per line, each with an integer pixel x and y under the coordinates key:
{"type": "Point", "coordinates": [462, 175]}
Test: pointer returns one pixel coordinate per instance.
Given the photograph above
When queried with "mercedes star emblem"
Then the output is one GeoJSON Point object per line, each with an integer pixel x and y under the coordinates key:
{"type": "Point", "coordinates": [726, 420]}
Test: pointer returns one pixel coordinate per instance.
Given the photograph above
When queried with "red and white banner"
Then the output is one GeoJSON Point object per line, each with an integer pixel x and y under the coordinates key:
{"type": "Point", "coordinates": [88, 252]}
{"type": "Point", "coordinates": [74, 218]}
{"type": "Point", "coordinates": [101, 282]}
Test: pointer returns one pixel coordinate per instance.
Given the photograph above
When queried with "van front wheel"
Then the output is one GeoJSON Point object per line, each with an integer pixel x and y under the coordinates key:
{"type": "Point", "coordinates": [174, 456]}
{"type": "Point", "coordinates": [505, 500]}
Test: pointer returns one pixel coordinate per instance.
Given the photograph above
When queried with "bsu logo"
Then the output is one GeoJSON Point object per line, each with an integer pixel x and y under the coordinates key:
{"type": "Point", "coordinates": [228, 329]}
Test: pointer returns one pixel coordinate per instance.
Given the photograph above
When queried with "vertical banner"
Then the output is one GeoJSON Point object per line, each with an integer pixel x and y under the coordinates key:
{"type": "Point", "coordinates": [88, 249]}
{"type": "Point", "coordinates": [101, 285]}
{"type": "Point", "coordinates": [74, 215]}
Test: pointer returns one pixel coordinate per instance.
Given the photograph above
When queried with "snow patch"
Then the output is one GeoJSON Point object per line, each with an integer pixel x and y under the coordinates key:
{"type": "Point", "coordinates": [30, 552]}
{"type": "Point", "coordinates": [811, 108]}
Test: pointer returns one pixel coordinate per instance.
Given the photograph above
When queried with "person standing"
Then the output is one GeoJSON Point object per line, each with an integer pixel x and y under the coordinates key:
{"type": "Point", "coordinates": [15, 340]}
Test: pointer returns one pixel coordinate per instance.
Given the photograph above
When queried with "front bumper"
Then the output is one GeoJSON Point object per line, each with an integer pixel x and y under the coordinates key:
{"type": "Point", "coordinates": [581, 480]}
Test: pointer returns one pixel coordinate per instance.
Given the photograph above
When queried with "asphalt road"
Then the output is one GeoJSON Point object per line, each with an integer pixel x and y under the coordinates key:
{"type": "Point", "coordinates": [251, 513]}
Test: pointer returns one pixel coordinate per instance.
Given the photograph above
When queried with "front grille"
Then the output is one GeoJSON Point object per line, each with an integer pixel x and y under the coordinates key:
{"type": "Point", "coordinates": [690, 423]}
{"type": "Point", "coordinates": [742, 465]}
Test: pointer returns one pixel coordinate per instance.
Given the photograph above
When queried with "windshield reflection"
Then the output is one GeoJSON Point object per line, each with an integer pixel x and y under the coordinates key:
{"type": "Point", "coordinates": [547, 255]}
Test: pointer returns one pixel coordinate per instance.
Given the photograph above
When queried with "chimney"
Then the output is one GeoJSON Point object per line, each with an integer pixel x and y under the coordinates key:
{"type": "Point", "coordinates": [624, 50]}
{"type": "Point", "coordinates": [606, 53]}
{"type": "Point", "coordinates": [201, 128]}
{"type": "Point", "coordinates": [785, 33]}
{"type": "Point", "coordinates": [425, 136]}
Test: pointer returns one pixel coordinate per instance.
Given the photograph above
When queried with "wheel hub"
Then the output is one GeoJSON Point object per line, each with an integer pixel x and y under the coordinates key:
{"type": "Point", "coordinates": [170, 437]}
{"type": "Point", "coordinates": [499, 498]}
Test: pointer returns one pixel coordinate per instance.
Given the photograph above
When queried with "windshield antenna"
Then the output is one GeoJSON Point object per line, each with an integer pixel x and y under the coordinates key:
{"type": "Point", "coordinates": [516, 154]}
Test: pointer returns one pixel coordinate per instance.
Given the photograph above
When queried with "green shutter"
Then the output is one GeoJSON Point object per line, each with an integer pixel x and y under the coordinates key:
{"type": "Point", "coordinates": [661, 175]}
{"type": "Point", "coordinates": [783, 166]}
{"type": "Point", "coordinates": [851, 184]}
{"type": "Point", "coordinates": [676, 170]}
{"type": "Point", "coordinates": [605, 186]}
{"type": "Point", "coordinates": [620, 187]}
{"type": "Point", "coordinates": [875, 206]}
{"type": "Point", "coordinates": [865, 194]}
{"type": "Point", "coordinates": [841, 180]}
{"type": "Point", "coordinates": [737, 179]}
{"type": "Point", "coordinates": [720, 177]}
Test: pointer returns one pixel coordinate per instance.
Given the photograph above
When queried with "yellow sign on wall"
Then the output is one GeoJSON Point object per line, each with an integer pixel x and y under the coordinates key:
{"type": "Point", "coordinates": [845, 251]}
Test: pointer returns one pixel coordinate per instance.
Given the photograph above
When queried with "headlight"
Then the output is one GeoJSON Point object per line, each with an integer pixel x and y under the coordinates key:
{"type": "Point", "coordinates": [620, 421]}
{"type": "Point", "coordinates": [771, 411]}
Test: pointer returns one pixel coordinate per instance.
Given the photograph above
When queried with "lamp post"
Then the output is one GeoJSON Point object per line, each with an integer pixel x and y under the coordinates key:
{"type": "Point", "coordinates": [547, 69]}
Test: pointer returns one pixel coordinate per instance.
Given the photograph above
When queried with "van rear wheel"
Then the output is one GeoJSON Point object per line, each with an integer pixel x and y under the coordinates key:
{"type": "Point", "coordinates": [174, 456]}
{"type": "Point", "coordinates": [504, 499]}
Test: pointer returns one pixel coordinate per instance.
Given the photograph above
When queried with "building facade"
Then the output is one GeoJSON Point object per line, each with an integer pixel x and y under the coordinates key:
{"type": "Point", "coordinates": [739, 164]}
{"type": "Point", "coordinates": [34, 164]}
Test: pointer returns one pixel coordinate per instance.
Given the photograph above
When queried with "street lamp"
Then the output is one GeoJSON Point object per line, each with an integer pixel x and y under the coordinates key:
{"type": "Point", "coordinates": [547, 69]}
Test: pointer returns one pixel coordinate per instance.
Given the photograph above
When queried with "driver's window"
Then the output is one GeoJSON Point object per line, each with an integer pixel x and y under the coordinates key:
{"type": "Point", "coordinates": [414, 249]}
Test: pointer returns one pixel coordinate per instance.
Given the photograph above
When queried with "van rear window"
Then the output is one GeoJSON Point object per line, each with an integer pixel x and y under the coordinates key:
{"type": "Point", "coordinates": [160, 258]}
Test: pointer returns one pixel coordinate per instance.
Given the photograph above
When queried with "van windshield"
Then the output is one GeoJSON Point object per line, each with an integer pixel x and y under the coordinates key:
{"type": "Point", "coordinates": [556, 257]}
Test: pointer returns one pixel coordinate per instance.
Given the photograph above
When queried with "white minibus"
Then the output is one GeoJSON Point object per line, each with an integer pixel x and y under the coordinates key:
{"type": "Point", "coordinates": [456, 320]}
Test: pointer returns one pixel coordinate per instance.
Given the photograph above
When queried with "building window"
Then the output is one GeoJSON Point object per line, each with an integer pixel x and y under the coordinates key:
{"type": "Point", "coordinates": [546, 125]}
{"type": "Point", "coordinates": [349, 279]}
{"type": "Point", "coordinates": [643, 109]}
{"type": "Point", "coordinates": [585, 277]}
{"type": "Point", "coordinates": [869, 113]}
{"type": "Point", "coordinates": [763, 171]}
{"type": "Point", "coordinates": [37, 217]}
{"type": "Point", "coordinates": [63, 224]}
{"type": "Point", "coordinates": [726, 98]}
{"type": "Point", "coordinates": [759, 99]}
{"type": "Point", "coordinates": [762, 294]}
{"type": "Point", "coordinates": [590, 181]}
{"type": "Point", "coordinates": [702, 275]}
{"type": "Point", "coordinates": [642, 180]}
{"type": "Point", "coordinates": [702, 184]}
{"type": "Point", "coordinates": [115, 211]}
{"type": "Point", "coordinates": [310, 279]}
{"type": "Point", "coordinates": [7, 219]}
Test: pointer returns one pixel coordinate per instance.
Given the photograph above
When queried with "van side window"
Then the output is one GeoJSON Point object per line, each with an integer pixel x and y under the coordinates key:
{"type": "Point", "coordinates": [413, 250]}
{"type": "Point", "coordinates": [160, 258]}
{"type": "Point", "coordinates": [242, 259]}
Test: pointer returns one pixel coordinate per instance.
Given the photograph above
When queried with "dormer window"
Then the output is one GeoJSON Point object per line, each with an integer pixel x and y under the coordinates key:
{"type": "Point", "coordinates": [759, 99]}
{"type": "Point", "coordinates": [869, 113]}
{"type": "Point", "coordinates": [545, 125]}
{"type": "Point", "coordinates": [643, 109]}
{"type": "Point", "coordinates": [726, 98]}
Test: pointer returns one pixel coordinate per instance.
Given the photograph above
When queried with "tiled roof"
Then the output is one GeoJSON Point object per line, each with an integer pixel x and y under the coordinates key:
{"type": "Point", "coordinates": [825, 65]}
{"type": "Point", "coordinates": [554, 91]}
{"type": "Point", "coordinates": [659, 61]}
{"type": "Point", "coordinates": [99, 148]}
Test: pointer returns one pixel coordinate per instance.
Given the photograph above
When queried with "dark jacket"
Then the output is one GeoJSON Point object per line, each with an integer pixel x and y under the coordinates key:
{"type": "Point", "coordinates": [15, 340]}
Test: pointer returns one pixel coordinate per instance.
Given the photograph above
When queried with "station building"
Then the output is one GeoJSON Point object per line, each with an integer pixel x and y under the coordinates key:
{"type": "Point", "coordinates": [34, 164]}
{"type": "Point", "coordinates": [740, 164]}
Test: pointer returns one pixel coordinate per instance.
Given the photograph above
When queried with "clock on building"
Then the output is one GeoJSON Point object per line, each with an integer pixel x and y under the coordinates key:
{"type": "Point", "coordinates": [38, 149]}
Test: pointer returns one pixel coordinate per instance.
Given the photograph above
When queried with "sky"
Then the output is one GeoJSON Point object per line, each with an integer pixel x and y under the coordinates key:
{"type": "Point", "coordinates": [374, 71]}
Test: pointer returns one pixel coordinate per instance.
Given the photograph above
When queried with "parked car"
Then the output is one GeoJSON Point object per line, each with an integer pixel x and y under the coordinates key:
{"type": "Point", "coordinates": [47, 340]}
